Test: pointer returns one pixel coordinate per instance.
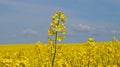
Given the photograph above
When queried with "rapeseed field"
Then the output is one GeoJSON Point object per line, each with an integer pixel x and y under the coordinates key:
{"type": "Point", "coordinates": [54, 54]}
{"type": "Point", "coordinates": [87, 54]}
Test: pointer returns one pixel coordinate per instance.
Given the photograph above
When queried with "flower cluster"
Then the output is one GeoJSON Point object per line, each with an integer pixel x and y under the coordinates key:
{"type": "Point", "coordinates": [57, 27]}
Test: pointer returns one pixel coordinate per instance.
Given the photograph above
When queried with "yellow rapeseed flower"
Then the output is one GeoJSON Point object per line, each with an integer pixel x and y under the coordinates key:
{"type": "Point", "coordinates": [58, 28]}
{"type": "Point", "coordinates": [59, 13]}
{"type": "Point", "coordinates": [91, 39]}
{"type": "Point", "coordinates": [63, 32]}
{"type": "Point", "coordinates": [55, 14]}
{"type": "Point", "coordinates": [60, 38]}
{"type": "Point", "coordinates": [56, 21]}
{"type": "Point", "coordinates": [62, 25]}
{"type": "Point", "coordinates": [54, 17]}
{"type": "Point", "coordinates": [63, 18]}
{"type": "Point", "coordinates": [52, 25]}
{"type": "Point", "coordinates": [51, 32]}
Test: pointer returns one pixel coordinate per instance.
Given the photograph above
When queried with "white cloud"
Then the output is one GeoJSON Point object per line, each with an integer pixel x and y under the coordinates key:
{"type": "Point", "coordinates": [30, 31]}
{"type": "Point", "coordinates": [115, 32]}
{"type": "Point", "coordinates": [85, 27]}
{"type": "Point", "coordinates": [75, 29]}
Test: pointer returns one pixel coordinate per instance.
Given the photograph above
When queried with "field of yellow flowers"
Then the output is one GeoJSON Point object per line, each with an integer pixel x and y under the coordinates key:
{"type": "Point", "coordinates": [87, 54]}
{"type": "Point", "coordinates": [54, 54]}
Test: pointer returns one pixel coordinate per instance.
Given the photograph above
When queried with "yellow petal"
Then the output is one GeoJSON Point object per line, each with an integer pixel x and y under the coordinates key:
{"type": "Point", "coordinates": [52, 25]}
{"type": "Point", "coordinates": [56, 21]}
{"type": "Point", "coordinates": [63, 19]}
{"type": "Point", "coordinates": [63, 26]}
{"type": "Point", "coordinates": [51, 32]}
{"type": "Point", "coordinates": [58, 28]}
{"type": "Point", "coordinates": [60, 38]}
{"type": "Point", "coordinates": [59, 13]}
{"type": "Point", "coordinates": [54, 17]}
{"type": "Point", "coordinates": [91, 39]}
{"type": "Point", "coordinates": [63, 32]}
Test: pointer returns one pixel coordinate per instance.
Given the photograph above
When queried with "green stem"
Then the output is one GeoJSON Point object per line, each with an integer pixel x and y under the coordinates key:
{"type": "Point", "coordinates": [89, 59]}
{"type": "Point", "coordinates": [53, 58]}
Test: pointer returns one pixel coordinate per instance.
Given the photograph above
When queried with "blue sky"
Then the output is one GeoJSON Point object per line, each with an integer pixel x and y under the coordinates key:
{"type": "Point", "coordinates": [27, 21]}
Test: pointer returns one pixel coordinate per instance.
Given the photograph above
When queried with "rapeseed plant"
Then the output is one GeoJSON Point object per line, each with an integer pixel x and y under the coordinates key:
{"type": "Point", "coordinates": [56, 32]}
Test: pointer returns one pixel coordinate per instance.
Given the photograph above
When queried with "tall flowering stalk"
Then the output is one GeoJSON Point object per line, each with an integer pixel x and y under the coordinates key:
{"type": "Point", "coordinates": [56, 32]}
{"type": "Point", "coordinates": [90, 46]}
